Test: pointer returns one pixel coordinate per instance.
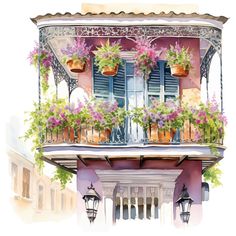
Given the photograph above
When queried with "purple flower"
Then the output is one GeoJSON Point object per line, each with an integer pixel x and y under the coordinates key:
{"type": "Point", "coordinates": [197, 136]}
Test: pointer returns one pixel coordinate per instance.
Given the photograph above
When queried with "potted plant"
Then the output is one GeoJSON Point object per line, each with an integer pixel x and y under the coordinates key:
{"type": "Point", "coordinates": [76, 55]}
{"type": "Point", "coordinates": [107, 58]}
{"type": "Point", "coordinates": [160, 120]}
{"type": "Point", "coordinates": [209, 122]}
{"type": "Point", "coordinates": [45, 62]}
{"type": "Point", "coordinates": [146, 57]}
{"type": "Point", "coordinates": [179, 60]}
{"type": "Point", "coordinates": [104, 116]}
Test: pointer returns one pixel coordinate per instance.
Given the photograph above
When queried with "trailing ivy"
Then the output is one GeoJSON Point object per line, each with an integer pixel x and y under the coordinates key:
{"type": "Point", "coordinates": [37, 121]}
{"type": "Point", "coordinates": [63, 176]}
{"type": "Point", "coordinates": [213, 175]}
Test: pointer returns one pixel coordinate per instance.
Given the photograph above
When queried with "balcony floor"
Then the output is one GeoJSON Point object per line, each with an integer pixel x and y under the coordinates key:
{"type": "Point", "coordinates": [74, 156]}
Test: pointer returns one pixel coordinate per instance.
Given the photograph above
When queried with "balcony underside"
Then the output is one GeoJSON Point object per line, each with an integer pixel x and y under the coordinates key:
{"type": "Point", "coordinates": [74, 156]}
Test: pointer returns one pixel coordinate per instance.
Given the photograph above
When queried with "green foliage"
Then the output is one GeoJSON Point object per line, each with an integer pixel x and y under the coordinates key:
{"type": "Point", "coordinates": [108, 55]}
{"type": "Point", "coordinates": [213, 175]}
{"type": "Point", "coordinates": [63, 176]}
{"type": "Point", "coordinates": [38, 121]}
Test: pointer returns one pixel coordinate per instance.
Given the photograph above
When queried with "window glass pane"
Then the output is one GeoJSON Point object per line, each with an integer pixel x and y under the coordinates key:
{"type": "Point", "coordinates": [139, 83]}
{"type": "Point", "coordinates": [169, 97]}
{"type": "Point", "coordinates": [130, 83]}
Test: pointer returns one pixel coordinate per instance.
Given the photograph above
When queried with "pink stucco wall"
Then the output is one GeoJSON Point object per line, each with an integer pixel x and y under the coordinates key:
{"type": "Point", "coordinates": [192, 81]}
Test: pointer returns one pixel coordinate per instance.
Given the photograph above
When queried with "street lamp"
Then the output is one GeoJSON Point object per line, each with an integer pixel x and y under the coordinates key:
{"type": "Point", "coordinates": [91, 199]}
{"type": "Point", "coordinates": [184, 202]}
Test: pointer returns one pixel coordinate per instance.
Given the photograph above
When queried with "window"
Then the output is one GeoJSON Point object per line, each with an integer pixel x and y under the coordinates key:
{"type": "Point", "coordinates": [53, 194]}
{"type": "Point", "coordinates": [14, 178]}
{"type": "Point", "coordinates": [40, 197]}
{"type": "Point", "coordinates": [110, 88]}
{"type": "Point", "coordinates": [26, 183]}
{"type": "Point", "coordinates": [130, 90]}
{"type": "Point", "coordinates": [136, 203]}
{"type": "Point", "coordinates": [161, 84]}
{"type": "Point", "coordinates": [63, 201]}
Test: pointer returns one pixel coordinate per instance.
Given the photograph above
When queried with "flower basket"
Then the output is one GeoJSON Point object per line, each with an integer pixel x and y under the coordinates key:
{"type": "Point", "coordinates": [107, 58]}
{"type": "Point", "coordinates": [109, 70]}
{"type": "Point", "coordinates": [179, 60]}
{"type": "Point", "coordinates": [76, 65]}
{"type": "Point", "coordinates": [178, 71]}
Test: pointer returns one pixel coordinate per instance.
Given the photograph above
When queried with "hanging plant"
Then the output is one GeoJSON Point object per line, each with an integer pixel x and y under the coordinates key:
{"type": "Point", "coordinates": [76, 55]}
{"type": "Point", "coordinates": [146, 57]}
{"type": "Point", "coordinates": [179, 60]}
{"type": "Point", "coordinates": [107, 58]}
{"type": "Point", "coordinates": [45, 60]}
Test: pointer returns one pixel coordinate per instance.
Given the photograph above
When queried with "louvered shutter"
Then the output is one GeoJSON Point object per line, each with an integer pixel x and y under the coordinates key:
{"type": "Point", "coordinates": [153, 84]}
{"type": "Point", "coordinates": [161, 84]}
{"type": "Point", "coordinates": [119, 87]}
{"type": "Point", "coordinates": [100, 84]}
{"type": "Point", "coordinates": [171, 85]}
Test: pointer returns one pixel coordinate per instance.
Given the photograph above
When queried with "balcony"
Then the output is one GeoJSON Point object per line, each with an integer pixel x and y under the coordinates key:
{"type": "Point", "coordinates": [129, 140]}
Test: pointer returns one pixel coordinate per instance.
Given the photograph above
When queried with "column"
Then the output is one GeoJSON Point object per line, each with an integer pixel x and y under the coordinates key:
{"type": "Point", "coordinates": [109, 202]}
{"type": "Point", "coordinates": [166, 211]}
{"type": "Point", "coordinates": [129, 203]}
{"type": "Point", "coordinates": [144, 203]}
{"type": "Point", "coordinates": [136, 203]}
{"type": "Point", "coordinates": [121, 203]}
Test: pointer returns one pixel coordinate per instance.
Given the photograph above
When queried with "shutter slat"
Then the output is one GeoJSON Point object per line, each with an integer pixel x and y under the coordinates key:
{"type": "Point", "coordinates": [171, 84]}
{"type": "Point", "coordinates": [119, 82]}
{"type": "Point", "coordinates": [153, 83]}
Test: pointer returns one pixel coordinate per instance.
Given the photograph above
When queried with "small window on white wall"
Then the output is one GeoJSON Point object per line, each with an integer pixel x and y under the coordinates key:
{"type": "Point", "coordinates": [63, 202]}
{"type": "Point", "coordinates": [40, 197]}
{"type": "Point", "coordinates": [14, 176]}
{"type": "Point", "coordinates": [53, 195]}
{"type": "Point", "coordinates": [26, 183]}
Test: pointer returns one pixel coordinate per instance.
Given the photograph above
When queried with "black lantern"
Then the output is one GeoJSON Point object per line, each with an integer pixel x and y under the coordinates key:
{"type": "Point", "coordinates": [184, 202]}
{"type": "Point", "coordinates": [91, 199]}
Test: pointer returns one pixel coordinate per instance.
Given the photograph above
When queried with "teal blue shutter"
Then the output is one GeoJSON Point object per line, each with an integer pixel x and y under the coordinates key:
{"type": "Point", "coordinates": [153, 84]}
{"type": "Point", "coordinates": [110, 88]}
{"type": "Point", "coordinates": [161, 84]}
{"type": "Point", "coordinates": [119, 86]}
{"type": "Point", "coordinates": [171, 84]}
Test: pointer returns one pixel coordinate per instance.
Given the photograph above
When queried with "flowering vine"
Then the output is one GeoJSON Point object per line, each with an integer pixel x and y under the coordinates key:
{"type": "Point", "coordinates": [45, 62]}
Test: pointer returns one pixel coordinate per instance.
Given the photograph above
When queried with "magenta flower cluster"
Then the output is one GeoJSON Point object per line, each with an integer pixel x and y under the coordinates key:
{"type": "Point", "coordinates": [146, 56]}
{"type": "Point", "coordinates": [45, 60]}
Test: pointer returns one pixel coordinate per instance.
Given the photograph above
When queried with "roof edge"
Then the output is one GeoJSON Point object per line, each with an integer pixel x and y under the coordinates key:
{"type": "Point", "coordinates": [121, 14]}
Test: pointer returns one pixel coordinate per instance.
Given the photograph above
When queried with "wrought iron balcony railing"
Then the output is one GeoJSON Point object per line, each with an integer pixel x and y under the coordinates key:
{"type": "Point", "coordinates": [130, 133]}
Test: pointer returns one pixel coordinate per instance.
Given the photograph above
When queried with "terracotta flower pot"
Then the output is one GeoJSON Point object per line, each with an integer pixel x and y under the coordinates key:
{"type": "Point", "coordinates": [92, 136]}
{"type": "Point", "coordinates": [76, 66]}
{"type": "Point", "coordinates": [69, 135]}
{"type": "Point", "coordinates": [160, 136]}
{"type": "Point", "coordinates": [178, 71]}
{"type": "Point", "coordinates": [109, 71]}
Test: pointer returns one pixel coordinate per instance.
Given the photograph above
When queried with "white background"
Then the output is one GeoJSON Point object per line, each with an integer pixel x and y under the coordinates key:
{"type": "Point", "coordinates": [19, 88]}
